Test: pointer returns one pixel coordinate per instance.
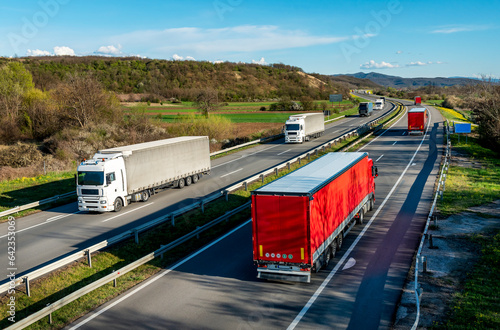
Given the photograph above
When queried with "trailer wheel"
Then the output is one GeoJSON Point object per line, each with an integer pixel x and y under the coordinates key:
{"type": "Point", "coordinates": [333, 249]}
{"type": "Point", "coordinates": [340, 240]}
{"type": "Point", "coordinates": [145, 196]}
{"type": "Point", "coordinates": [327, 257]}
{"type": "Point", "coordinates": [195, 178]}
{"type": "Point", "coordinates": [181, 184]}
{"type": "Point", "coordinates": [361, 219]}
{"type": "Point", "coordinates": [118, 204]}
{"type": "Point", "coordinates": [371, 204]}
{"type": "Point", "coordinates": [188, 181]}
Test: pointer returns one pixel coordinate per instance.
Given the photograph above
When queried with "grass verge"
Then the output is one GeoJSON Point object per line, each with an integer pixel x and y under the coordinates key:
{"type": "Point", "coordinates": [478, 306]}
{"type": "Point", "coordinates": [73, 277]}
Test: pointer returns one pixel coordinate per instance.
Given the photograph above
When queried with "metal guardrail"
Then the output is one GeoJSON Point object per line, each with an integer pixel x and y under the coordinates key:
{"type": "Point", "coordinates": [47, 311]}
{"type": "Point", "coordinates": [134, 232]}
{"type": "Point", "coordinates": [420, 258]}
{"type": "Point", "coordinates": [35, 204]}
{"type": "Point", "coordinates": [26, 278]}
{"type": "Point", "coordinates": [246, 144]}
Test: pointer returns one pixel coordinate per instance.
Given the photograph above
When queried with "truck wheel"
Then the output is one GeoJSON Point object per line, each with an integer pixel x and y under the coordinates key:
{"type": "Point", "coordinates": [145, 196]}
{"type": "Point", "coordinates": [361, 219]}
{"type": "Point", "coordinates": [188, 181]}
{"type": "Point", "coordinates": [333, 249]}
{"type": "Point", "coordinates": [195, 178]}
{"type": "Point", "coordinates": [118, 204]}
{"type": "Point", "coordinates": [371, 204]}
{"type": "Point", "coordinates": [327, 257]}
{"type": "Point", "coordinates": [181, 184]}
{"type": "Point", "coordinates": [340, 240]}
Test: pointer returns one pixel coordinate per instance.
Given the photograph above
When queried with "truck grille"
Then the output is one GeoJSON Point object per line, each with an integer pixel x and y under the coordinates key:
{"type": "Point", "coordinates": [90, 191]}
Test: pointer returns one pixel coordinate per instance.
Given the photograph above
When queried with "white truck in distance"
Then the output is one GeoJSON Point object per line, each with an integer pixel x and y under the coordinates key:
{"type": "Point", "coordinates": [299, 128]}
{"type": "Point", "coordinates": [379, 104]}
{"type": "Point", "coordinates": [115, 177]}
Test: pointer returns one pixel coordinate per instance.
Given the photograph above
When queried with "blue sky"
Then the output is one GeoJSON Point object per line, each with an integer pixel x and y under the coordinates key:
{"type": "Point", "coordinates": [396, 37]}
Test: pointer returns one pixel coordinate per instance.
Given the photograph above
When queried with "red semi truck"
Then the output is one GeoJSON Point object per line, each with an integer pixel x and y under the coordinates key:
{"type": "Point", "coordinates": [300, 220]}
{"type": "Point", "coordinates": [418, 100]}
{"type": "Point", "coordinates": [417, 120]}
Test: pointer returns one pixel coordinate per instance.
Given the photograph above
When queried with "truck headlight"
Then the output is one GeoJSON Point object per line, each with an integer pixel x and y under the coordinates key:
{"type": "Point", "coordinates": [80, 200]}
{"type": "Point", "coordinates": [103, 202]}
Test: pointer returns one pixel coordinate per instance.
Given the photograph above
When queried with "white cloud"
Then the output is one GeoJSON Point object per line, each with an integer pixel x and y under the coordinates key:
{"type": "Point", "coordinates": [180, 58]}
{"type": "Point", "coordinates": [374, 65]}
{"type": "Point", "coordinates": [37, 52]}
{"type": "Point", "coordinates": [461, 28]}
{"type": "Point", "coordinates": [244, 38]}
{"type": "Point", "coordinates": [399, 52]}
{"type": "Point", "coordinates": [418, 63]}
{"type": "Point", "coordinates": [63, 50]}
{"type": "Point", "coordinates": [109, 50]}
{"type": "Point", "coordinates": [262, 61]}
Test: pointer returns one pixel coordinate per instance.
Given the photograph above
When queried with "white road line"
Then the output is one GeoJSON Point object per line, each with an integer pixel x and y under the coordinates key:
{"type": "Point", "coordinates": [395, 142]}
{"type": "Point", "coordinates": [231, 172]}
{"type": "Point", "coordinates": [403, 133]}
{"type": "Point", "coordinates": [353, 245]}
{"type": "Point", "coordinates": [281, 153]}
{"type": "Point", "coordinates": [375, 139]}
{"type": "Point", "coordinates": [58, 217]}
{"type": "Point", "coordinates": [379, 158]}
{"type": "Point", "coordinates": [165, 272]}
{"type": "Point", "coordinates": [119, 215]}
{"type": "Point", "coordinates": [246, 156]}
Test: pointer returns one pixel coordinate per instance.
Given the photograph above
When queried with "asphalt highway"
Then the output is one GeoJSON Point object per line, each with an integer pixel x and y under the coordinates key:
{"type": "Point", "coordinates": [217, 288]}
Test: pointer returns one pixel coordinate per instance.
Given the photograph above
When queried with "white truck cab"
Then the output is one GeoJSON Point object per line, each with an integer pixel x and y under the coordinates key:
{"type": "Point", "coordinates": [101, 185]}
{"type": "Point", "coordinates": [294, 130]}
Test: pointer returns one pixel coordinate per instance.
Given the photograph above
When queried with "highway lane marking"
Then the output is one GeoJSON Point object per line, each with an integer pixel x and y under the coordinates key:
{"type": "Point", "coordinates": [379, 158]}
{"type": "Point", "coordinates": [57, 217]}
{"type": "Point", "coordinates": [403, 133]}
{"type": "Point", "coordinates": [281, 153]}
{"type": "Point", "coordinates": [395, 142]}
{"type": "Point", "coordinates": [119, 215]}
{"type": "Point", "coordinates": [231, 172]}
{"type": "Point", "coordinates": [165, 272]}
{"type": "Point", "coordinates": [375, 139]}
{"type": "Point", "coordinates": [323, 285]}
{"type": "Point", "coordinates": [246, 156]}
{"type": "Point", "coordinates": [349, 264]}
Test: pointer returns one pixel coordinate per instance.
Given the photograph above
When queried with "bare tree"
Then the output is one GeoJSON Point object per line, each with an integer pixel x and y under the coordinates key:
{"type": "Point", "coordinates": [207, 101]}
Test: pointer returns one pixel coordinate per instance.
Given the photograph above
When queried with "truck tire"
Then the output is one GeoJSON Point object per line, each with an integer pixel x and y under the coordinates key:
{"type": "Point", "coordinates": [371, 204]}
{"type": "Point", "coordinates": [188, 181]}
{"type": "Point", "coordinates": [333, 249]}
{"type": "Point", "coordinates": [181, 183]}
{"type": "Point", "coordinates": [361, 218]}
{"type": "Point", "coordinates": [195, 178]}
{"type": "Point", "coordinates": [118, 204]}
{"type": "Point", "coordinates": [327, 257]}
{"type": "Point", "coordinates": [145, 196]}
{"type": "Point", "coordinates": [340, 240]}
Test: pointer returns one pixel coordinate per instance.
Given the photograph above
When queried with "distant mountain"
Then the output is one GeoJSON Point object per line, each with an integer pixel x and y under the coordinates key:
{"type": "Point", "coordinates": [399, 82]}
{"type": "Point", "coordinates": [354, 82]}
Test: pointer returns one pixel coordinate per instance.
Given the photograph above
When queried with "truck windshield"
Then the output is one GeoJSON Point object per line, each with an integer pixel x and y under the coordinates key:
{"type": "Point", "coordinates": [293, 127]}
{"type": "Point", "coordinates": [90, 178]}
{"type": "Point", "coordinates": [363, 106]}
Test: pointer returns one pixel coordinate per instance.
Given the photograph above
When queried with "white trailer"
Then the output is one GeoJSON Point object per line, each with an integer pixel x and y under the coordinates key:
{"type": "Point", "coordinates": [115, 177]}
{"type": "Point", "coordinates": [300, 128]}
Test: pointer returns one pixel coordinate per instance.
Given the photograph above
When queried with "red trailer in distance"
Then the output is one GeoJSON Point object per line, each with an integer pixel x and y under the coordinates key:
{"type": "Point", "coordinates": [418, 100]}
{"type": "Point", "coordinates": [417, 120]}
{"type": "Point", "coordinates": [300, 220]}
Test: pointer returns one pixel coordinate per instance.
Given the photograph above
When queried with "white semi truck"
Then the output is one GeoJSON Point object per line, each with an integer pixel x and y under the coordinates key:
{"type": "Point", "coordinates": [379, 104]}
{"type": "Point", "coordinates": [300, 128]}
{"type": "Point", "coordinates": [115, 177]}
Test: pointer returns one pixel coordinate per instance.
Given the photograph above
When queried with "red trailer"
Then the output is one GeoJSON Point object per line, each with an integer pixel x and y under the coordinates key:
{"type": "Point", "coordinates": [418, 100]}
{"type": "Point", "coordinates": [417, 120]}
{"type": "Point", "coordinates": [300, 220]}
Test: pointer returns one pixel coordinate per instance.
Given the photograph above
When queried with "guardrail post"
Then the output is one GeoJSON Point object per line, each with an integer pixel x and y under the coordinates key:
{"type": "Point", "coordinates": [50, 315]}
{"type": "Point", "coordinates": [299, 160]}
{"type": "Point", "coordinates": [276, 171]}
{"type": "Point", "coordinates": [197, 235]}
{"type": "Point", "coordinates": [262, 178]}
{"type": "Point", "coordinates": [245, 184]}
{"type": "Point", "coordinates": [226, 193]}
{"type": "Point", "coordinates": [308, 156]}
{"type": "Point", "coordinates": [424, 264]}
{"type": "Point", "coordinates": [172, 222]}
{"type": "Point", "coordinates": [136, 234]}
{"type": "Point", "coordinates": [202, 207]}
{"type": "Point", "coordinates": [288, 165]}
{"type": "Point", "coordinates": [114, 280]}
{"type": "Point", "coordinates": [89, 258]}
{"type": "Point", "coordinates": [431, 245]}
{"type": "Point", "coordinates": [26, 281]}
{"type": "Point", "coordinates": [316, 151]}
